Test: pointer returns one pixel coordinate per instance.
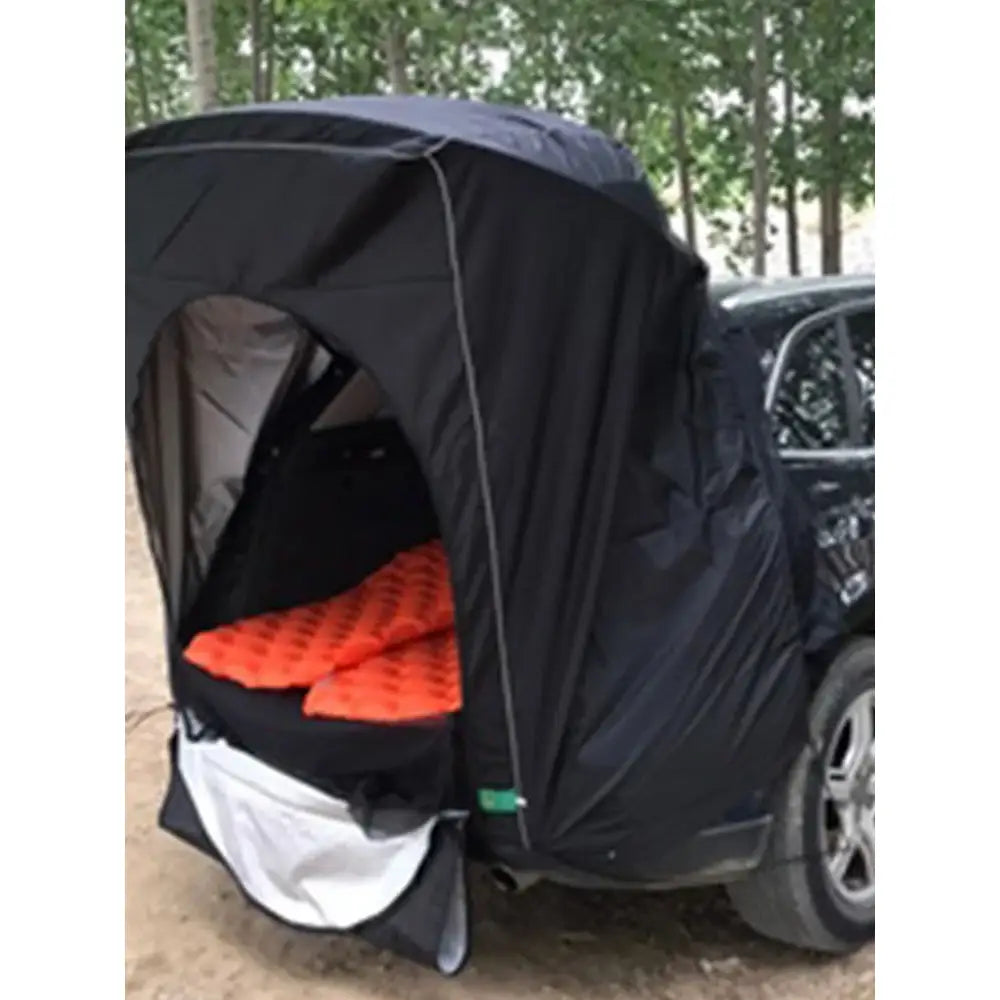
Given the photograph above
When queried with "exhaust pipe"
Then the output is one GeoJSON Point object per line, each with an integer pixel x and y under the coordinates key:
{"type": "Point", "coordinates": [510, 881]}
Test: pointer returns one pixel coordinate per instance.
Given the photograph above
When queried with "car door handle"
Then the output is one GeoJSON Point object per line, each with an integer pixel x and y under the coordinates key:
{"type": "Point", "coordinates": [823, 488]}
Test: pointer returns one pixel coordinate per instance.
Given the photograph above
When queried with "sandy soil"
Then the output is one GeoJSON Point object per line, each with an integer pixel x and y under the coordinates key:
{"type": "Point", "coordinates": [191, 936]}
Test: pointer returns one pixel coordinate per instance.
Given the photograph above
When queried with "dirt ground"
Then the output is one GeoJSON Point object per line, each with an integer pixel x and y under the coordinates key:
{"type": "Point", "coordinates": [191, 936]}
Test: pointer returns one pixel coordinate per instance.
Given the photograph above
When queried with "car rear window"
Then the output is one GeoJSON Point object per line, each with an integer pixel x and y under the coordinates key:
{"type": "Point", "coordinates": [810, 409]}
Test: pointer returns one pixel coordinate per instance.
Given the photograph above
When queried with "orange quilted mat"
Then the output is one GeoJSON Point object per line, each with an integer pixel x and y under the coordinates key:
{"type": "Point", "coordinates": [384, 651]}
{"type": "Point", "coordinates": [416, 680]}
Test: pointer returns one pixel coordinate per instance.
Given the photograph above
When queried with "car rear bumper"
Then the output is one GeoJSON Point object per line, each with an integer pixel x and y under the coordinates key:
{"type": "Point", "coordinates": [714, 856]}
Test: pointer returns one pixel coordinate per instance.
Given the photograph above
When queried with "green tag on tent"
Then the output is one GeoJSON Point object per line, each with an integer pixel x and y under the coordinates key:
{"type": "Point", "coordinates": [497, 800]}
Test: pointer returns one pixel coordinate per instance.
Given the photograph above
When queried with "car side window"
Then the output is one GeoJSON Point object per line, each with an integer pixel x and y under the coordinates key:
{"type": "Point", "coordinates": [810, 409]}
{"type": "Point", "coordinates": [861, 333]}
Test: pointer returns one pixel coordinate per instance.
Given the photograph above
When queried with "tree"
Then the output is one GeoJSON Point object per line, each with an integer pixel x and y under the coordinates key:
{"type": "Point", "coordinates": [396, 58]}
{"type": "Point", "coordinates": [761, 136]}
{"type": "Point", "coordinates": [634, 70]}
{"type": "Point", "coordinates": [269, 54]}
{"type": "Point", "coordinates": [719, 131]}
{"type": "Point", "coordinates": [729, 132]}
{"type": "Point", "coordinates": [201, 39]}
{"type": "Point", "coordinates": [135, 48]}
{"type": "Point", "coordinates": [682, 151]}
{"type": "Point", "coordinates": [257, 43]}
{"type": "Point", "coordinates": [156, 61]}
{"type": "Point", "coordinates": [787, 146]}
{"type": "Point", "coordinates": [837, 83]}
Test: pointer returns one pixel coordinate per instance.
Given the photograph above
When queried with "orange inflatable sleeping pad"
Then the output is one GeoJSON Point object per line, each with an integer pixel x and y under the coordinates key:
{"type": "Point", "coordinates": [417, 680]}
{"type": "Point", "coordinates": [401, 604]}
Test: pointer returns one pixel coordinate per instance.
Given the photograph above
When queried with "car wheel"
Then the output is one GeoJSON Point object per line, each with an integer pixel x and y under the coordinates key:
{"type": "Point", "coordinates": [815, 887]}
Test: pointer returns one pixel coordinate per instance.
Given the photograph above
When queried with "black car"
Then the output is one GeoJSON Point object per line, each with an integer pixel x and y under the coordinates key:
{"type": "Point", "coordinates": [799, 861]}
{"type": "Point", "coordinates": [816, 338]}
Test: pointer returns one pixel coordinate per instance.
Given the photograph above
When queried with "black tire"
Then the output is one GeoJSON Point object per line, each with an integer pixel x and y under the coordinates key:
{"type": "Point", "coordinates": [791, 897]}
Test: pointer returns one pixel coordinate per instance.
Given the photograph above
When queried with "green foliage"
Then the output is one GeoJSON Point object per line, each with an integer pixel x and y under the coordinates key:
{"type": "Point", "coordinates": [161, 41]}
{"type": "Point", "coordinates": [629, 67]}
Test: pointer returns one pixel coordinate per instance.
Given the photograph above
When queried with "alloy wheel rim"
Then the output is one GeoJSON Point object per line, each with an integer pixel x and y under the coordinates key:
{"type": "Point", "coordinates": [848, 804]}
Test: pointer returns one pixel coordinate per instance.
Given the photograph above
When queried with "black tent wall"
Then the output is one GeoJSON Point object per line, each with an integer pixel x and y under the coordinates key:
{"type": "Point", "coordinates": [642, 668]}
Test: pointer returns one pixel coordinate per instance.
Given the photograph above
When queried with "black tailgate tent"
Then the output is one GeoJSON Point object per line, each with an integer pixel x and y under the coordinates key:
{"type": "Point", "coordinates": [503, 284]}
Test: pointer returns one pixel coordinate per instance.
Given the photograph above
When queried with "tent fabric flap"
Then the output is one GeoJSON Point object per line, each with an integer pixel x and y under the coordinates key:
{"type": "Point", "coordinates": [428, 922]}
{"type": "Point", "coordinates": [295, 850]}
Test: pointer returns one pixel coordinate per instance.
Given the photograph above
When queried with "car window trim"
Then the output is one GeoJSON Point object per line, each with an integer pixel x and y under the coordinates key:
{"type": "Point", "coordinates": [839, 314]}
{"type": "Point", "coordinates": [854, 366]}
{"type": "Point", "coordinates": [804, 326]}
{"type": "Point", "coordinates": [833, 456]}
{"type": "Point", "coordinates": [851, 388]}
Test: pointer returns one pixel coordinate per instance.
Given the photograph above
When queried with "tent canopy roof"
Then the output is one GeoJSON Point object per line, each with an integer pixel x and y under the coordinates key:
{"type": "Point", "coordinates": [406, 125]}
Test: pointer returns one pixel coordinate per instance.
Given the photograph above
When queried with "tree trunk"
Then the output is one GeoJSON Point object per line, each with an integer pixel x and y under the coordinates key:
{"type": "Point", "coordinates": [830, 200]}
{"type": "Point", "coordinates": [791, 150]}
{"type": "Point", "coordinates": [830, 229]}
{"type": "Point", "coordinates": [395, 60]}
{"type": "Point", "coordinates": [683, 154]}
{"type": "Point", "coordinates": [548, 63]}
{"type": "Point", "coordinates": [201, 41]}
{"type": "Point", "coordinates": [459, 83]}
{"type": "Point", "coordinates": [145, 108]}
{"type": "Point", "coordinates": [760, 130]}
{"type": "Point", "coordinates": [268, 88]}
{"type": "Point", "coordinates": [158, 83]}
{"type": "Point", "coordinates": [256, 51]}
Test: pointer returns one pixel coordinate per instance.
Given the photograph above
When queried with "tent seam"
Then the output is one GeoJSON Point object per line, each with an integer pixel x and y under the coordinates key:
{"type": "Point", "coordinates": [482, 463]}
{"type": "Point", "coordinates": [257, 145]}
